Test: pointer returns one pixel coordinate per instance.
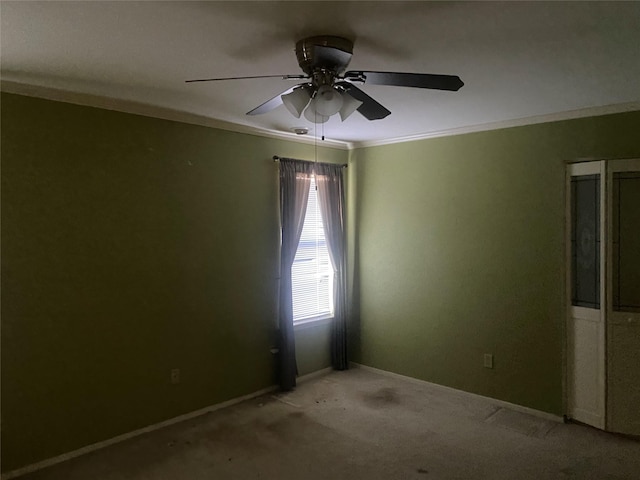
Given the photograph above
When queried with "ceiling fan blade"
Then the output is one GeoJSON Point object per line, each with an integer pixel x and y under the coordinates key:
{"type": "Point", "coordinates": [270, 104]}
{"type": "Point", "coordinates": [370, 109]}
{"type": "Point", "coordinates": [284, 77]}
{"type": "Point", "coordinates": [416, 80]}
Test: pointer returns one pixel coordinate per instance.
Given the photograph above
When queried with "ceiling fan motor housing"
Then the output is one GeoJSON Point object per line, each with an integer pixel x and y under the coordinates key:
{"type": "Point", "coordinates": [324, 57]}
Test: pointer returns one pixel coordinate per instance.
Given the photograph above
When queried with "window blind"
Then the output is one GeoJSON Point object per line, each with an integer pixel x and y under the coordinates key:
{"type": "Point", "coordinates": [312, 273]}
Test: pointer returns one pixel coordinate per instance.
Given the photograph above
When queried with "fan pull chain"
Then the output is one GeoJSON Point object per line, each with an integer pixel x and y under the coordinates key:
{"type": "Point", "coordinates": [315, 139]}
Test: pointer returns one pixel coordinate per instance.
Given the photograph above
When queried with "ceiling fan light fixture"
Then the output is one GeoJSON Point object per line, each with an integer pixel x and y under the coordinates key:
{"type": "Point", "coordinates": [312, 114]}
{"type": "Point", "coordinates": [349, 105]}
{"type": "Point", "coordinates": [296, 101]}
{"type": "Point", "coordinates": [328, 100]}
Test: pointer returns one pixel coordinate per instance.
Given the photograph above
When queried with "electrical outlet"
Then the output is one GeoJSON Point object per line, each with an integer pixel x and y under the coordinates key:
{"type": "Point", "coordinates": [175, 376]}
{"type": "Point", "coordinates": [488, 360]}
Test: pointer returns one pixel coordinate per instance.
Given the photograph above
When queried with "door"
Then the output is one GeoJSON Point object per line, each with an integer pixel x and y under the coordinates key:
{"type": "Point", "coordinates": [585, 352]}
{"type": "Point", "coordinates": [623, 304]}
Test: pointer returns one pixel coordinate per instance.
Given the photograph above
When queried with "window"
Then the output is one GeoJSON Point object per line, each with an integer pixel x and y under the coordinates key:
{"type": "Point", "coordinates": [312, 273]}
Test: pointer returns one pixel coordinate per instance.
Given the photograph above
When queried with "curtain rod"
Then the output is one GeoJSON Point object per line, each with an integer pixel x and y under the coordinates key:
{"type": "Point", "coordinates": [276, 158]}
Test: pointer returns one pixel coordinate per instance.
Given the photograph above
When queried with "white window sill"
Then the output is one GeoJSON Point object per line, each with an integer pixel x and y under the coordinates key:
{"type": "Point", "coordinates": [312, 322]}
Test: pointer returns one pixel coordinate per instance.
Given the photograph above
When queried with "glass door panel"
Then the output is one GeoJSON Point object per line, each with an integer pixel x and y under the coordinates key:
{"type": "Point", "coordinates": [585, 241]}
{"type": "Point", "coordinates": [626, 242]}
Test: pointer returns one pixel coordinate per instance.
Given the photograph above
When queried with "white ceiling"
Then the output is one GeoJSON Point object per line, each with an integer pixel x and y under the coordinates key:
{"type": "Point", "coordinates": [517, 59]}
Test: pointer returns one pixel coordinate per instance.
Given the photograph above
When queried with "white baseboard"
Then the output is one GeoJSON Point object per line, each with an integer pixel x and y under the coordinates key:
{"type": "Point", "coordinates": [312, 375]}
{"type": "Point", "coordinates": [125, 436]}
{"type": "Point", "coordinates": [495, 401]}
{"type": "Point", "coordinates": [304, 378]}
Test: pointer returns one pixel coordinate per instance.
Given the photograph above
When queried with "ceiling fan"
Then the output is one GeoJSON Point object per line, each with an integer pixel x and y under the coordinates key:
{"type": "Point", "coordinates": [330, 89]}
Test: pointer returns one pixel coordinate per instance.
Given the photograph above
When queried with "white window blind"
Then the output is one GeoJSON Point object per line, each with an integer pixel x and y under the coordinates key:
{"type": "Point", "coordinates": [312, 273]}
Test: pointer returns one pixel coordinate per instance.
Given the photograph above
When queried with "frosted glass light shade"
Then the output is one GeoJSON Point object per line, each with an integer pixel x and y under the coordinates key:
{"type": "Point", "coordinates": [312, 115]}
{"type": "Point", "coordinates": [328, 101]}
{"type": "Point", "coordinates": [296, 101]}
{"type": "Point", "coordinates": [349, 105]}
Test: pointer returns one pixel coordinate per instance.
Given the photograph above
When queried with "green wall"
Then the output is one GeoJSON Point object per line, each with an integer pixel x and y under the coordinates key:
{"type": "Point", "coordinates": [131, 246]}
{"type": "Point", "coordinates": [461, 252]}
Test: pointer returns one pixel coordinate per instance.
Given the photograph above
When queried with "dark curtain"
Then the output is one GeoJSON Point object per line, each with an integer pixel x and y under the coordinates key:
{"type": "Point", "coordinates": [295, 180]}
{"type": "Point", "coordinates": [329, 180]}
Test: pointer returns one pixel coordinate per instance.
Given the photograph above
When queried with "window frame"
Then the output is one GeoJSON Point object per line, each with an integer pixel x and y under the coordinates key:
{"type": "Point", "coordinates": [323, 317]}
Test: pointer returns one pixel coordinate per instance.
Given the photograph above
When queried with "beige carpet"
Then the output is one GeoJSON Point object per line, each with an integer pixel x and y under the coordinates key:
{"type": "Point", "coordinates": [361, 425]}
